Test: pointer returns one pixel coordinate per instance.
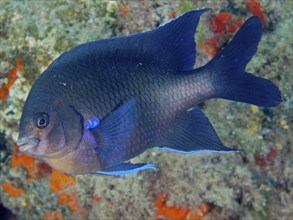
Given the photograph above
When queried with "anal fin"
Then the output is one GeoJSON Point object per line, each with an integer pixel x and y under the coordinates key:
{"type": "Point", "coordinates": [126, 168]}
{"type": "Point", "coordinates": [193, 133]}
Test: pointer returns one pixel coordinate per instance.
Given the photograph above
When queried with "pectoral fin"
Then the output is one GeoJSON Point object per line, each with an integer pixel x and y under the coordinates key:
{"type": "Point", "coordinates": [126, 168]}
{"type": "Point", "coordinates": [114, 133]}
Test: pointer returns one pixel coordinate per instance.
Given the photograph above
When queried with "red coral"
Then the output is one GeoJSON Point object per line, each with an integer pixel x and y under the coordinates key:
{"type": "Point", "coordinates": [11, 75]}
{"type": "Point", "coordinates": [219, 22]}
{"type": "Point", "coordinates": [224, 23]}
{"type": "Point", "coordinates": [255, 8]}
{"type": "Point", "coordinates": [271, 154]}
{"type": "Point", "coordinates": [259, 161]}
{"type": "Point", "coordinates": [234, 26]}
{"type": "Point", "coordinates": [211, 47]}
{"type": "Point", "coordinates": [262, 160]}
{"type": "Point", "coordinates": [221, 25]}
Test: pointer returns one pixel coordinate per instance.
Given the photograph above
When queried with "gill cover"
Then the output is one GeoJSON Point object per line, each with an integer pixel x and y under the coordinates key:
{"type": "Point", "coordinates": [72, 126]}
{"type": "Point", "coordinates": [62, 134]}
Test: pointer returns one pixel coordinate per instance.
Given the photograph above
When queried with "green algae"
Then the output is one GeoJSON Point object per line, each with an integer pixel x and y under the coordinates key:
{"type": "Point", "coordinates": [185, 6]}
{"type": "Point", "coordinates": [62, 43]}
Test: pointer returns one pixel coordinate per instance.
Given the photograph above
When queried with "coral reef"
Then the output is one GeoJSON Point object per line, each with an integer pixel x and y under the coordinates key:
{"type": "Point", "coordinates": [255, 183]}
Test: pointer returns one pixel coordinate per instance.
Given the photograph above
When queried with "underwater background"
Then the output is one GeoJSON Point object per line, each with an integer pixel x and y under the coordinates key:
{"type": "Point", "coordinates": [253, 184]}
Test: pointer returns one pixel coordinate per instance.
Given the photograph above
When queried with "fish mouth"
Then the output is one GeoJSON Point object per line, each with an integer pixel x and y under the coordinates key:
{"type": "Point", "coordinates": [27, 143]}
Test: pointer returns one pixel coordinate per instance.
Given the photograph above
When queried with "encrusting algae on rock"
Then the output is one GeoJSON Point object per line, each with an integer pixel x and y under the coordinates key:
{"type": "Point", "coordinates": [257, 188]}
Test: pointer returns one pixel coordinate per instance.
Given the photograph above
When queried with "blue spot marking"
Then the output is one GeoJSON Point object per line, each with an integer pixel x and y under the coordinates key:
{"type": "Point", "coordinates": [92, 123]}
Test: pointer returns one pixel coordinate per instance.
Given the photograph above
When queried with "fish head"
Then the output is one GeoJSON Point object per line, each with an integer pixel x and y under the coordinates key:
{"type": "Point", "coordinates": [49, 128]}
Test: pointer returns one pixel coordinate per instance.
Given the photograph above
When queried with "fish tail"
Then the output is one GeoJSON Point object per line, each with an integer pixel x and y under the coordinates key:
{"type": "Point", "coordinates": [229, 78]}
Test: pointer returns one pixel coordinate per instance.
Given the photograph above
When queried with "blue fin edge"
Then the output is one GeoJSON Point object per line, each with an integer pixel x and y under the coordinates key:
{"type": "Point", "coordinates": [195, 151]}
{"type": "Point", "coordinates": [113, 171]}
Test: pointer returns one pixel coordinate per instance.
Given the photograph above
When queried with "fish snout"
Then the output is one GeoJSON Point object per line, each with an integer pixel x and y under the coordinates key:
{"type": "Point", "coordinates": [27, 143]}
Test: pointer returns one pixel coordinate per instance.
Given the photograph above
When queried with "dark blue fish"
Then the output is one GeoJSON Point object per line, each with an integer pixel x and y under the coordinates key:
{"type": "Point", "coordinates": [105, 102]}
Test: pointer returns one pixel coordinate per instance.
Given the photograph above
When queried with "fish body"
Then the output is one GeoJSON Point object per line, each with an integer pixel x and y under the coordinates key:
{"type": "Point", "coordinates": [105, 102]}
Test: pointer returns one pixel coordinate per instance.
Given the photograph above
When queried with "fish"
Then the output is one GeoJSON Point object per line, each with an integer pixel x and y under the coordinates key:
{"type": "Point", "coordinates": [102, 103]}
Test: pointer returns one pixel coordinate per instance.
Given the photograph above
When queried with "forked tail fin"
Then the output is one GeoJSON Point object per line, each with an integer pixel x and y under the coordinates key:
{"type": "Point", "coordinates": [230, 79]}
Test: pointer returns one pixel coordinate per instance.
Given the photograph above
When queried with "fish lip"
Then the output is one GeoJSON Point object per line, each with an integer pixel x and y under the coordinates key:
{"type": "Point", "coordinates": [27, 143]}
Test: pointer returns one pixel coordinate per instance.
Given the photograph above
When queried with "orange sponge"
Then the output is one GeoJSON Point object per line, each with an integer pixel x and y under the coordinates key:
{"type": "Point", "coordinates": [11, 75]}
{"type": "Point", "coordinates": [11, 190]}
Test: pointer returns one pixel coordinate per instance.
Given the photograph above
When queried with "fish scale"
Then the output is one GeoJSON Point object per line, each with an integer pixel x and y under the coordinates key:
{"type": "Point", "coordinates": [105, 102]}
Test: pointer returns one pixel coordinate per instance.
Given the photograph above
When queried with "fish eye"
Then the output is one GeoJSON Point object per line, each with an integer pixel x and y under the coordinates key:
{"type": "Point", "coordinates": [41, 120]}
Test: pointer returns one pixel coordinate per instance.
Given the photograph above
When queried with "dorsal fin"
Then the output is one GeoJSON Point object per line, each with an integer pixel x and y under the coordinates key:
{"type": "Point", "coordinates": [171, 43]}
{"type": "Point", "coordinates": [177, 38]}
